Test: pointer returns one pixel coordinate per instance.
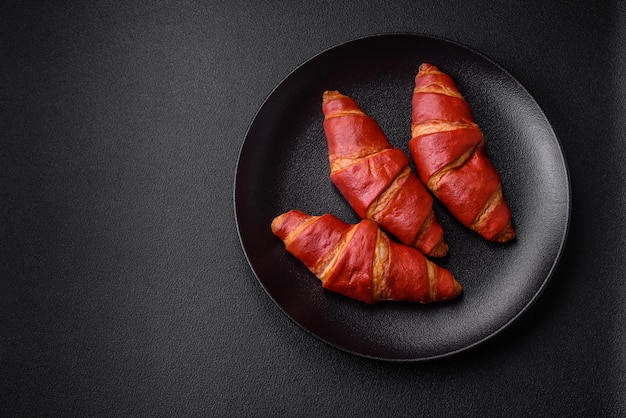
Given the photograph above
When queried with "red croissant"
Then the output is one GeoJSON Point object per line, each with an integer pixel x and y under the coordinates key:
{"type": "Point", "coordinates": [376, 178]}
{"type": "Point", "coordinates": [361, 262]}
{"type": "Point", "coordinates": [448, 149]}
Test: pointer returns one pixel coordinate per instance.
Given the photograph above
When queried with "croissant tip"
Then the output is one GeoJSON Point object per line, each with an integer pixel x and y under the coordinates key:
{"type": "Point", "coordinates": [506, 235]}
{"type": "Point", "coordinates": [331, 95]}
{"type": "Point", "coordinates": [457, 288]}
{"type": "Point", "coordinates": [426, 68]}
{"type": "Point", "coordinates": [277, 221]}
{"type": "Point", "coordinates": [439, 250]}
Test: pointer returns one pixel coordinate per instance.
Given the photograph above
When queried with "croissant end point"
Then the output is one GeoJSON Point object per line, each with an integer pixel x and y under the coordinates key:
{"type": "Point", "coordinates": [331, 95]}
{"type": "Point", "coordinates": [440, 250]}
{"type": "Point", "coordinates": [457, 288]}
{"type": "Point", "coordinates": [506, 235]}
{"type": "Point", "coordinates": [427, 68]}
{"type": "Point", "coordinates": [277, 221]}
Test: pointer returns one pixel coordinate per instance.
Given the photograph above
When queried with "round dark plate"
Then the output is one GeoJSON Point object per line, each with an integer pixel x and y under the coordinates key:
{"type": "Point", "coordinates": [283, 165]}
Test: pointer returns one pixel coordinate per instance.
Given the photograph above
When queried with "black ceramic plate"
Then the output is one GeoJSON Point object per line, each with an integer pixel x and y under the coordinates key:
{"type": "Point", "coordinates": [283, 165]}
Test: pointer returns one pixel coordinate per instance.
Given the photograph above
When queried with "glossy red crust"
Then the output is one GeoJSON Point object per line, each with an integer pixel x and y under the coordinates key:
{"type": "Point", "coordinates": [376, 179]}
{"type": "Point", "coordinates": [361, 262]}
{"type": "Point", "coordinates": [449, 154]}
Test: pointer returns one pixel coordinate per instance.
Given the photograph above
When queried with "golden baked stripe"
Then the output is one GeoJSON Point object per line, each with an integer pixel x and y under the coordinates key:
{"type": "Point", "coordinates": [345, 113]}
{"type": "Point", "coordinates": [438, 88]}
{"type": "Point", "coordinates": [437, 175]}
{"type": "Point", "coordinates": [379, 204]}
{"type": "Point", "coordinates": [298, 230]}
{"type": "Point", "coordinates": [435, 126]}
{"type": "Point", "coordinates": [425, 225]}
{"type": "Point", "coordinates": [488, 207]}
{"type": "Point", "coordinates": [379, 266]}
{"type": "Point", "coordinates": [339, 164]}
{"type": "Point", "coordinates": [331, 259]}
{"type": "Point", "coordinates": [432, 280]}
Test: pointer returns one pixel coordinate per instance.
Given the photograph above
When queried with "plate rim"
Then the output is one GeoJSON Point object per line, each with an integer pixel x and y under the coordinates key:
{"type": "Point", "coordinates": [567, 184]}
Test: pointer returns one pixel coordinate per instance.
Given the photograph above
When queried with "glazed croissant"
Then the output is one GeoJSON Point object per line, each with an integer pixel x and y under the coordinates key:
{"type": "Point", "coordinates": [449, 154]}
{"type": "Point", "coordinates": [361, 262]}
{"type": "Point", "coordinates": [376, 178]}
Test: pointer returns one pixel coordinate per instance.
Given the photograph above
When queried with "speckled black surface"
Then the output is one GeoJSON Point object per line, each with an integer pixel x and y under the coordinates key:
{"type": "Point", "coordinates": [124, 288]}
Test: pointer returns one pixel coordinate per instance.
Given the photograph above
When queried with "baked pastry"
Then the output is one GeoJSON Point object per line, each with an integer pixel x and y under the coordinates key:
{"type": "Point", "coordinates": [361, 262]}
{"type": "Point", "coordinates": [448, 150]}
{"type": "Point", "coordinates": [376, 178]}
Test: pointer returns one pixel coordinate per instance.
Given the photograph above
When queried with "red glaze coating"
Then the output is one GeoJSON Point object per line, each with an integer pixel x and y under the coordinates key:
{"type": "Point", "coordinates": [465, 190]}
{"type": "Point", "coordinates": [313, 242]}
{"type": "Point", "coordinates": [448, 151]}
{"type": "Point", "coordinates": [376, 179]}
{"type": "Point", "coordinates": [365, 136]}
{"type": "Point", "coordinates": [352, 272]}
{"type": "Point", "coordinates": [403, 265]}
{"type": "Point", "coordinates": [362, 183]}
{"type": "Point", "coordinates": [361, 262]}
{"type": "Point", "coordinates": [407, 212]}
{"type": "Point", "coordinates": [439, 148]}
{"type": "Point", "coordinates": [432, 106]}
